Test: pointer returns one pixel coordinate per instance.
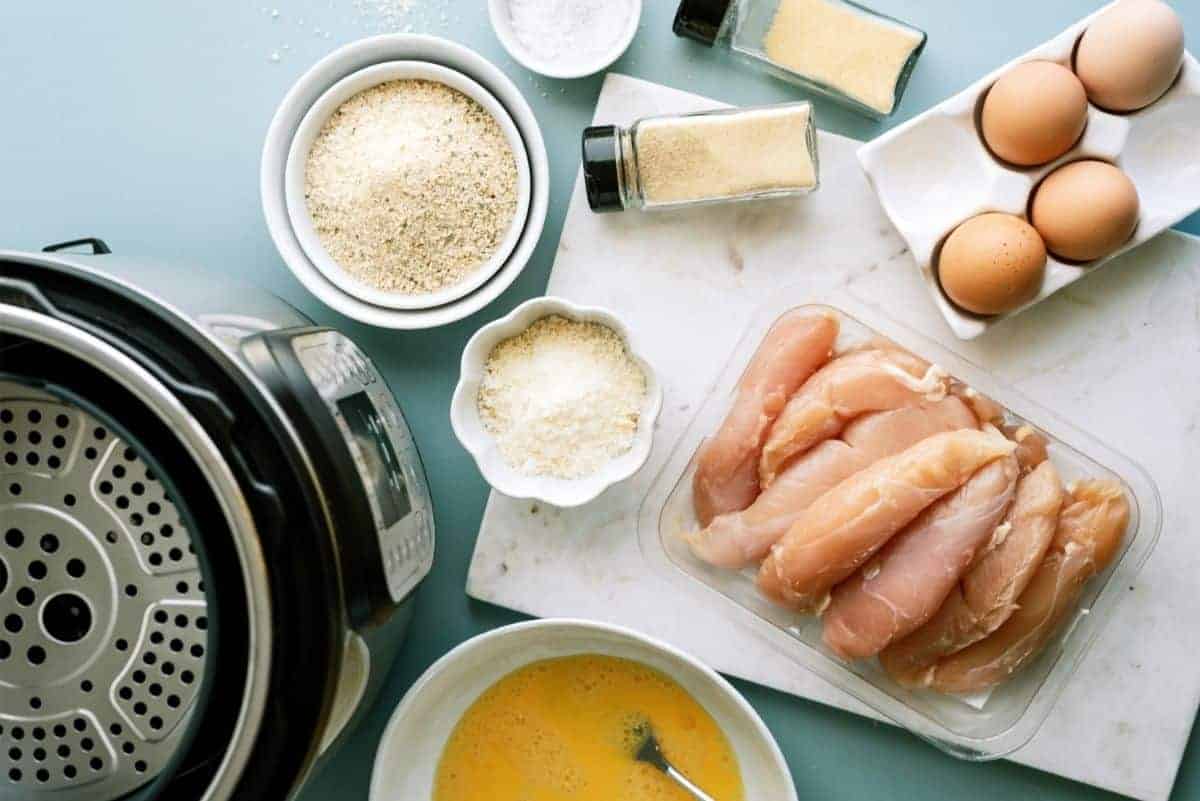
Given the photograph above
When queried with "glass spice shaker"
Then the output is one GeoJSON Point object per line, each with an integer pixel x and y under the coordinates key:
{"type": "Point", "coordinates": [843, 50]}
{"type": "Point", "coordinates": [679, 160]}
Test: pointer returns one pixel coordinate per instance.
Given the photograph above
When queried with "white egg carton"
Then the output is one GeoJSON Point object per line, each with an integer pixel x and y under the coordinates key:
{"type": "Point", "coordinates": [933, 172]}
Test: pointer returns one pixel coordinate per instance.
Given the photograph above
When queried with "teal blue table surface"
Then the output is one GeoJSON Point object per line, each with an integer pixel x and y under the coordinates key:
{"type": "Point", "coordinates": [141, 121]}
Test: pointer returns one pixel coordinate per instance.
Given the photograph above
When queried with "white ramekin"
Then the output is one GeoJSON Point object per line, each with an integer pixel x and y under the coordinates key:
{"type": "Point", "coordinates": [464, 410]}
{"type": "Point", "coordinates": [498, 12]}
{"type": "Point", "coordinates": [408, 755]}
{"type": "Point", "coordinates": [311, 86]}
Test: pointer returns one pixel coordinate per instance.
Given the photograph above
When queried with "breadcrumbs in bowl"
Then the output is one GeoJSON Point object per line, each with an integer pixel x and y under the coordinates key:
{"type": "Point", "coordinates": [555, 403]}
{"type": "Point", "coordinates": [408, 185]}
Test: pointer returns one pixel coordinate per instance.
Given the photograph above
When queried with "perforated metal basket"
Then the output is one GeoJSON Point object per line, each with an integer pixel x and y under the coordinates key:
{"type": "Point", "coordinates": [103, 637]}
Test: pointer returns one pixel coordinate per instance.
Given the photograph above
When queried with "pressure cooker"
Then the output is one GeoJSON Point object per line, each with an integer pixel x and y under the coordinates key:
{"type": "Point", "coordinates": [213, 517]}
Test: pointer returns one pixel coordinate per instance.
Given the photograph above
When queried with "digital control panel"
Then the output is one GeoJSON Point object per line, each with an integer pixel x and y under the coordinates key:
{"type": "Point", "coordinates": [383, 450]}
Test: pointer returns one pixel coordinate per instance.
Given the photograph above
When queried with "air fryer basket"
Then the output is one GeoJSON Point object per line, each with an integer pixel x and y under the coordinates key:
{"type": "Point", "coordinates": [103, 639]}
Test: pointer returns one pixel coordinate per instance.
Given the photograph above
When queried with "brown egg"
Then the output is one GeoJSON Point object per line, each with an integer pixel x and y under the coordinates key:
{"type": "Point", "coordinates": [1034, 113]}
{"type": "Point", "coordinates": [1085, 210]}
{"type": "Point", "coordinates": [992, 263]}
{"type": "Point", "coordinates": [1130, 55]}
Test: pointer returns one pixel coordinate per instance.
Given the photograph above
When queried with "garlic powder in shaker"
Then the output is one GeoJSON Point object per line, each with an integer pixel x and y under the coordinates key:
{"type": "Point", "coordinates": [705, 157]}
{"type": "Point", "coordinates": [839, 48]}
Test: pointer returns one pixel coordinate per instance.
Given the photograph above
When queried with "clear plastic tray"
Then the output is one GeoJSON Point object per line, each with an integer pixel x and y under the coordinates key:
{"type": "Point", "coordinates": [977, 728]}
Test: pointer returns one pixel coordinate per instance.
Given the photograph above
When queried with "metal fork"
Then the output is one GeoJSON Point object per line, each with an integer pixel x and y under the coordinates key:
{"type": "Point", "coordinates": [648, 751]}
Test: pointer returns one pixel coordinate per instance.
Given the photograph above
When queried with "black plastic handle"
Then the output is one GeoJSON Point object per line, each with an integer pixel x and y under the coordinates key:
{"type": "Point", "coordinates": [99, 246]}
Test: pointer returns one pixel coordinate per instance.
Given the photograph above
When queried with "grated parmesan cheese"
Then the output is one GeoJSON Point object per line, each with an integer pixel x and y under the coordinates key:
{"type": "Point", "coordinates": [562, 398]}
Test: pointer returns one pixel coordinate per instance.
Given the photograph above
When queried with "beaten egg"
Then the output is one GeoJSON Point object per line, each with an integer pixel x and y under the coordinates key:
{"type": "Point", "coordinates": [1085, 210]}
{"type": "Point", "coordinates": [992, 263]}
{"type": "Point", "coordinates": [1034, 113]}
{"type": "Point", "coordinates": [1130, 55]}
{"type": "Point", "coordinates": [564, 730]}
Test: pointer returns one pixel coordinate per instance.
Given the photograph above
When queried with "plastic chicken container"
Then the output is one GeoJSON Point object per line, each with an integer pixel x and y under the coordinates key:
{"type": "Point", "coordinates": [981, 727]}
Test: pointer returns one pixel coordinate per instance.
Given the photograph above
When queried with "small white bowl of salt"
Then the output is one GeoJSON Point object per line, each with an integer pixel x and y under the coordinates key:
{"type": "Point", "coordinates": [565, 38]}
{"type": "Point", "coordinates": [554, 403]}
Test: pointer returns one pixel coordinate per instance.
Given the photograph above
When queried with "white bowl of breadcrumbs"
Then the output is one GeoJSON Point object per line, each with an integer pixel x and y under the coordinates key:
{"type": "Point", "coordinates": [554, 403]}
{"type": "Point", "coordinates": [407, 185]}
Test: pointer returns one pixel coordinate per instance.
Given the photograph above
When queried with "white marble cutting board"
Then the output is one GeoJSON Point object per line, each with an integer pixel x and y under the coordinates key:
{"type": "Point", "coordinates": [1116, 353]}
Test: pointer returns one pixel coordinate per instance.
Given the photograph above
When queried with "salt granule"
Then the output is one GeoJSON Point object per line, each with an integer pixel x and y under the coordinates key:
{"type": "Point", "coordinates": [564, 31]}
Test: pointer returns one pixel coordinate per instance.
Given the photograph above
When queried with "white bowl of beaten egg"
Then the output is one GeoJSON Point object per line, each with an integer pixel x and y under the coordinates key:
{"type": "Point", "coordinates": [541, 710]}
{"type": "Point", "coordinates": [387, 185]}
{"type": "Point", "coordinates": [555, 403]}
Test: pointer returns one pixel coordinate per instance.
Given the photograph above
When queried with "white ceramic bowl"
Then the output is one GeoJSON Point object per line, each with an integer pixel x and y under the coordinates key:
{"type": "Point", "coordinates": [310, 127]}
{"type": "Point", "coordinates": [311, 86]}
{"type": "Point", "coordinates": [498, 11]}
{"type": "Point", "coordinates": [407, 759]}
{"type": "Point", "coordinates": [464, 410]}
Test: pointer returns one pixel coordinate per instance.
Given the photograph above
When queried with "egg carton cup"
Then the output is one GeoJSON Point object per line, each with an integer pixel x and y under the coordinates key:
{"type": "Point", "coordinates": [934, 171]}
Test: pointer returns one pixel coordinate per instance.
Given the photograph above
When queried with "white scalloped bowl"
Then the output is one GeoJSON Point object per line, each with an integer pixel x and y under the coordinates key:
{"type": "Point", "coordinates": [464, 410]}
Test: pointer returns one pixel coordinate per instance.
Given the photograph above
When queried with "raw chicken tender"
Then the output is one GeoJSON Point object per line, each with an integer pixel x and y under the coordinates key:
{"type": "Point", "coordinates": [740, 539]}
{"type": "Point", "coordinates": [844, 527]}
{"type": "Point", "coordinates": [992, 586]}
{"type": "Point", "coordinates": [1090, 531]}
{"type": "Point", "coordinates": [882, 434]}
{"type": "Point", "coordinates": [851, 385]}
{"type": "Point", "coordinates": [988, 593]}
{"type": "Point", "coordinates": [1031, 446]}
{"type": "Point", "coordinates": [903, 586]}
{"type": "Point", "coordinates": [726, 478]}
{"type": "Point", "coordinates": [986, 409]}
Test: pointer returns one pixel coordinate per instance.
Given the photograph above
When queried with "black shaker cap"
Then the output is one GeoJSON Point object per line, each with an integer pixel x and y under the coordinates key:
{"type": "Point", "coordinates": [700, 19]}
{"type": "Point", "coordinates": [602, 167]}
